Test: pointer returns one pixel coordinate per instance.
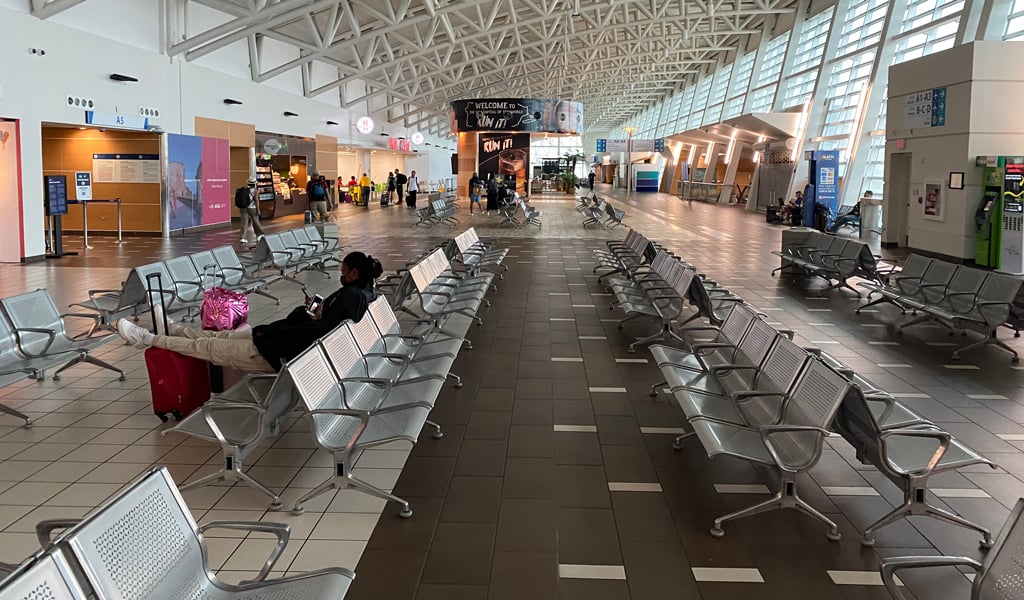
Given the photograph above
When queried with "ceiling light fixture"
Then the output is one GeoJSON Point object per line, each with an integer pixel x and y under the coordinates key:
{"type": "Point", "coordinates": [232, 101]}
{"type": "Point", "coordinates": [123, 78]}
{"type": "Point", "coordinates": [289, 113]}
{"type": "Point", "coordinates": [332, 122]}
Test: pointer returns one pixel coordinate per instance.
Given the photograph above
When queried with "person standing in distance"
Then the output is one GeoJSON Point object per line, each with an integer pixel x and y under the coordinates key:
{"type": "Point", "coordinates": [476, 189]}
{"type": "Point", "coordinates": [414, 186]}
{"type": "Point", "coordinates": [400, 181]}
{"type": "Point", "coordinates": [251, 213]}
{"type": "Point", "coordinates": [591, 178]}
{"type": "Point", "coordinates": [365, 185]}
{"type": "Point", "coordinates": [316, 193]}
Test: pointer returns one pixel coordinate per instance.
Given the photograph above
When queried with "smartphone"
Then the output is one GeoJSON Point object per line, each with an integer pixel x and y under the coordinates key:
{"type": "Point", "coordinates": [314, 304]}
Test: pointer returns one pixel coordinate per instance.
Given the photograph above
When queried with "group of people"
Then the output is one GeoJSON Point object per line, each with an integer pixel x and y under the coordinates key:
{"type": "Point", "coordinates": [405, 187]}
{"type": "Point", "coordinates": [793, 211]}
{"type": "Point", "coordinates": [492, 187]}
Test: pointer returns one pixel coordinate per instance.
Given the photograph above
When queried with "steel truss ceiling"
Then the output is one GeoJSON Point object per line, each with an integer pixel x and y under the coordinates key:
{"type": "Point", "coordinates": [615, 56]}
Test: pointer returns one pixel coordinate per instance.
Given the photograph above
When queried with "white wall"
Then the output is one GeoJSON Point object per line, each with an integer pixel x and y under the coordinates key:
{"type": "Point", "coordinates": [982, 119]}
{"type": "Point", "coordinates": [33, 88]}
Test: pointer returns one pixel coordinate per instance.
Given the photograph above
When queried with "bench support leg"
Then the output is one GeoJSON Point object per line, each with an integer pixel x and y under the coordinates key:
{"type": "Point", "coordinates": [990, 339]}
{"type": "Point", "coordinates": [343, 480]}
{"type": "Point", "coordinates": [232, 471]}
{"type": "Point", "coordinates": [786, 497]}
{"type": "Point", "coordinates": [915, 502]}
{"type": "Point", "coordinates": [438, 434]}
{"type": "Point", "coordinates": [85, 357]}
{"type": "Point", "coordinates": [266, 294]}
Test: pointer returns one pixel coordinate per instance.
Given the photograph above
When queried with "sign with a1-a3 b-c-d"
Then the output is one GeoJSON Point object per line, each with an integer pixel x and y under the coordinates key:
{"type": "Point", "coordinates": [83, 185]}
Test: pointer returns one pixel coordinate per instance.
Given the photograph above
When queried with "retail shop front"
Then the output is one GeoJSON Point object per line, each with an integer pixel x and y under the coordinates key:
{"type": "Point", "coordinates": [497, 137]}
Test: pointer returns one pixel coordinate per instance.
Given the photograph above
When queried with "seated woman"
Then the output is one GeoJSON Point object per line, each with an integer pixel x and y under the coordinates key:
{"type": "Point", "coordinates": [852, 217]}
{"type": "Point", "coordinates": [265, 347]}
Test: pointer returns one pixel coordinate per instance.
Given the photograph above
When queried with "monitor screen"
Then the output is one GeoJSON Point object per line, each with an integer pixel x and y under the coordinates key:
{"type": "Point", "coordinates": [56, 194]}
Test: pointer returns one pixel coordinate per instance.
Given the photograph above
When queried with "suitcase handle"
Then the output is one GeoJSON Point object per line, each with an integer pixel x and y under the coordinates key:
{"type": "Point", "coordinates": [152, 302]}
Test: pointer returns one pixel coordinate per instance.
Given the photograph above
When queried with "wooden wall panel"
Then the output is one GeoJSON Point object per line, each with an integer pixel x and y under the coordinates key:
{"type": "Point", "coordinates": [467, 161]}
{"type": "Point", "coordinates": [327, 157]}
{"type": "Point", "coordinates": [66, 150]}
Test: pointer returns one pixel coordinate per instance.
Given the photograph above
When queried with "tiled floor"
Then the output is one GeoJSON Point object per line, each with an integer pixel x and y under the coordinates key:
{"type": "Point", "coordinates": [556, 477]}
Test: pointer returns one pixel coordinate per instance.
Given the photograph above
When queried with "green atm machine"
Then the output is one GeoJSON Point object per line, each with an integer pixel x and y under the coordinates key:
{"type": "Point", "coordinates": [988, 218]}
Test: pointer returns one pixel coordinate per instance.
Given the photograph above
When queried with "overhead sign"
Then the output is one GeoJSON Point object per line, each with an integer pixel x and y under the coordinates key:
{"type": "Point", "coordinates": [656, 145]}
{"type": "Point", "coordinates": [83, 185]}
{"type": "Point", "coordinates": [116, 120]}
{"type": "Point", "coordinates": [397, 144]}
{"type": "Point", "coordinates": [517, 114]}
{"type": "Point", "coordinates": [925, 109]}
{"type": "Point", "coordinates": [417, 138]}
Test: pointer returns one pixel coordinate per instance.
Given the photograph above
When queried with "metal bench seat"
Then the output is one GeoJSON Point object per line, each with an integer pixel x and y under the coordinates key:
{"type": "Point", "coordinates": [399, 368]}
{"type": "Point", "coordinates": [343, 425]}
{"type": "Point", "coordinates": [110, 305]}
{"type": "Point", "coordinates": [998, 575]}
{"type": "Point", "coordinates": [751, 397]}
{"type": "Point", "coordinates": [531, 215]}
{"type": "Point", "coordinates": [958, 292]}
{"type": "Point", "coordinates": [792, 446]}
{"type": "Point", "coordinates": [42, 338]}
{"type": "Point", "coordinates": [188, 284]}
{"type": "Point", "coordinates": [238, 275]}
{"type": "Point", "coordinates": [982, 312]}
{"type": "Point", "coordinates": [747, 357]}
{"type": "Point", "coordinates": [907, 456]}
{"type": "Point", "coordinates": [206, 264]}
{"type": "Point", "coordinates": [615, 216]}
{"type": "Point", "coordinates": [145, 544]}
{"type": "Point", "coordinates": [273, 254]}
{"type": "Point", "coordinates": [720, 350]}
{"type": "Point", "coordinates": [241, 420]}
{"type": "Point", "coordinates": [904, 282]}
{"type": "Point", "coordinates": [409, 342]}
{"type": "Point", "coordinates": [595, 215]}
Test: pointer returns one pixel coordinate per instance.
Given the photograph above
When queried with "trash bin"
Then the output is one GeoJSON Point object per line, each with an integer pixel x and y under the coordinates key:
{"type": "Point", "coordinates": [870, 217]}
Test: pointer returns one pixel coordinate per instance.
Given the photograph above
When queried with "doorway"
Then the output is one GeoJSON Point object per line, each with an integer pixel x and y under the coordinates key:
{"type": "Point", "coordinates": [896, 208]}
{"type": "Point", "coordinates": [11, 246]}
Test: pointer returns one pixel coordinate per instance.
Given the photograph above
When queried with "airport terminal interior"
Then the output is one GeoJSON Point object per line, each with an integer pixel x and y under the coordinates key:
{"type": "Point", "coordinates": [732, 310]}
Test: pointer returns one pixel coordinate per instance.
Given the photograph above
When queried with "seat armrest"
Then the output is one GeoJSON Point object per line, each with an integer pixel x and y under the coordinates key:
{"type": "Point", "coordinates": [48, 332]}
{"type": "Point", "coordinates": [45, 529]}
{"type": "Point", "coordinates": [768, 431]}
{"type": "Point", "coordinates": [280, 530]}
{"type": "Point", "coordinates": [942, 437]}
{"type": "Point", "coordinates": [889, 567]}
{"type": "Point", "coordinates": [211, 408]}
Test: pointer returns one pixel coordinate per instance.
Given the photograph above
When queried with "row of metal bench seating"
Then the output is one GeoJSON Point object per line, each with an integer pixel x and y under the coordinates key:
{"type": "Point", "coordinates": [599, 212]}
{"type": "Point", "coordinates": [364, 384]}
{"type": "Point", "coordinates": [648, 281]}
{"type": "Point", "coordinates": [754, 394]}
{"type": "Point", "coordinates": [144, 543]}
{"type": "Point", "coordinates": [958, 297]}
{"type": "Point", "coordinates": [440, 211]}
{"type": "Point", "coordinates": [185, 278]}
{"type": "Point", "coordinates": [834, 259]}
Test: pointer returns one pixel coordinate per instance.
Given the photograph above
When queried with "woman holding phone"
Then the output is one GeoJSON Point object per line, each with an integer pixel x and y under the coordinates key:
{"type": "Point", "coordinates": [265, 347]}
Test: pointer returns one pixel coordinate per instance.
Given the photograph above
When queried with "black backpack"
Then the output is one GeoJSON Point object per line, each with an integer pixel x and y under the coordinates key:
{"type": "Point", "coordinates": [242, 197]}
{"type": "Point", "coordinates": [317, 191]}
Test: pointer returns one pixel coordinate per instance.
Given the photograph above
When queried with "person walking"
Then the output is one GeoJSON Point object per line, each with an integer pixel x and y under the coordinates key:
{"type": "Point", "coordinates": [265, 347]}
{"type": "Point", "coordinates": [476, 189]}
{"type": "Point", "coordinates": [492, 193]}
{"type": "Point", "coordinates": [251, 213]}
{"type": "Point", "coordinates": [316, 192]}
{"type": "Point", "coordinates": [400, 181]}
{"type": "Point", "coordinates": [414, 186]}
{"type": "Point", "coordinates": [591, 178]}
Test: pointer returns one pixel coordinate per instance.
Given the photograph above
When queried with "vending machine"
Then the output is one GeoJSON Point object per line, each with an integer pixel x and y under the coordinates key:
{"type": "Point", "coordinates": [988, 217]}
{"type": "Point", "coordinates": [1011, 257]}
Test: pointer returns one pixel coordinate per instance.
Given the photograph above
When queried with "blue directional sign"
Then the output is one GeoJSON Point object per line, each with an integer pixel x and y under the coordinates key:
{"type": "Point", "coordinates": [939, 107]}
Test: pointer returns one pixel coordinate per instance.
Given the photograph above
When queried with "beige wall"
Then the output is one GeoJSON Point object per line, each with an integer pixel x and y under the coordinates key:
{"type": "Point", "coordinates": [66, 150]}
{"type": "Point", "coordinates": [241, 139]}
{"type": "Point", "coordinates": [467, 161]}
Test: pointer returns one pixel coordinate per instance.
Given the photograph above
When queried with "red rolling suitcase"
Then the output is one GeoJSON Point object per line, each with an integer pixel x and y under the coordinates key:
{"type": "Point", "coordinates": [179, 384]}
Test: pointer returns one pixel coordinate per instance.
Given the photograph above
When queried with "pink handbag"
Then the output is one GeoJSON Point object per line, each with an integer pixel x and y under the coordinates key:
{"type": "Point", "coordinates": [224, 309]}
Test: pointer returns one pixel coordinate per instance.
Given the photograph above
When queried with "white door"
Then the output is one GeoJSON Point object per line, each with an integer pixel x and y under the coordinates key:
{"type": "Point", "coordinates": [10, 192]}
{"type": "Point", "coordinates": [896, 206]}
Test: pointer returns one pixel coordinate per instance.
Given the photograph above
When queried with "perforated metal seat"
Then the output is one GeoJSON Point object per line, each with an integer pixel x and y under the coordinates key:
{"type": "Point", "coordinates": [145, 544]}
{"type": "Point", "coordinates": [234, 273]}
{"type": "Point", "coordinates": [46, 577]}
{"type": "Point", "coordinates": [240, 421]}
{"type": "Point", "coordinates": [345, 422]}
{"type": "Point", "coordinates": [108, 306]}
{"type": "Point", "coordinates": [908, 456]}
{"type": "Point", "coordinates": [907, 281]}
{"type": "Point", "coordinates": [747, 357]}
{"type": "Point", "coordinates": [998, 576]}
{"type": "Point", "coordinates": [272, 253]}
{"type": "Point", "coordinates": [791, 447]}
{"type": "Point", "coordinates": [720, 350]}
{"type": "Point", "coordinates": [187, 284]}
{"type": "Point", "coordinates": [41, 336]}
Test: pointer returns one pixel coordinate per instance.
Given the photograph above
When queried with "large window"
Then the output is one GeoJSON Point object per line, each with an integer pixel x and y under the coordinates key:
{"type": "Point", "coordinates": [862, 26]}
{"type": "Point", "coordinates": [718, 93]}
{"type": "Point", "coordinates": [807, 59]}
{"type": "Point", "coordinates": [847, 83]}
{"type": "Point", "coordinates": [762, 95]}
{"type": "Point", "coordinates": [738, 88]}
{"type": "Point", "coordinates": [700, 101]}
{"type": "Point", "coordinates": [1015, 22]}
{"type": "Point", "coordinates": [557, 147]}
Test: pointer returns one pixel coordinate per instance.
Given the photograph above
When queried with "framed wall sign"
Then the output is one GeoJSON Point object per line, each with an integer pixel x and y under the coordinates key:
{"type": "Point", "coordinates": [956, 181]}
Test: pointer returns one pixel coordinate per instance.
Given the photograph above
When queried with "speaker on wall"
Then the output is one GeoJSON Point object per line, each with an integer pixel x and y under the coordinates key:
{"type": "Point", "coordinates": [455, 164]}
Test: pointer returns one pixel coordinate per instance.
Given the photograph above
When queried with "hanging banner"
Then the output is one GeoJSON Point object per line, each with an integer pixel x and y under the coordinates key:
{"type": "Point", "coordinates": [517, 114]}
{"type": "Point", "coordinates": [505, 154]}
{"type": "Point", "coordinates": [824, 178]}
{"type": "Point", "coordinates": [198, 172]}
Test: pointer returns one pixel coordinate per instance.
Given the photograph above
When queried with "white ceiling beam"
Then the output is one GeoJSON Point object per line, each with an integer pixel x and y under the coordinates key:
{"type": "Point", "coordinates": [45, 10]}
